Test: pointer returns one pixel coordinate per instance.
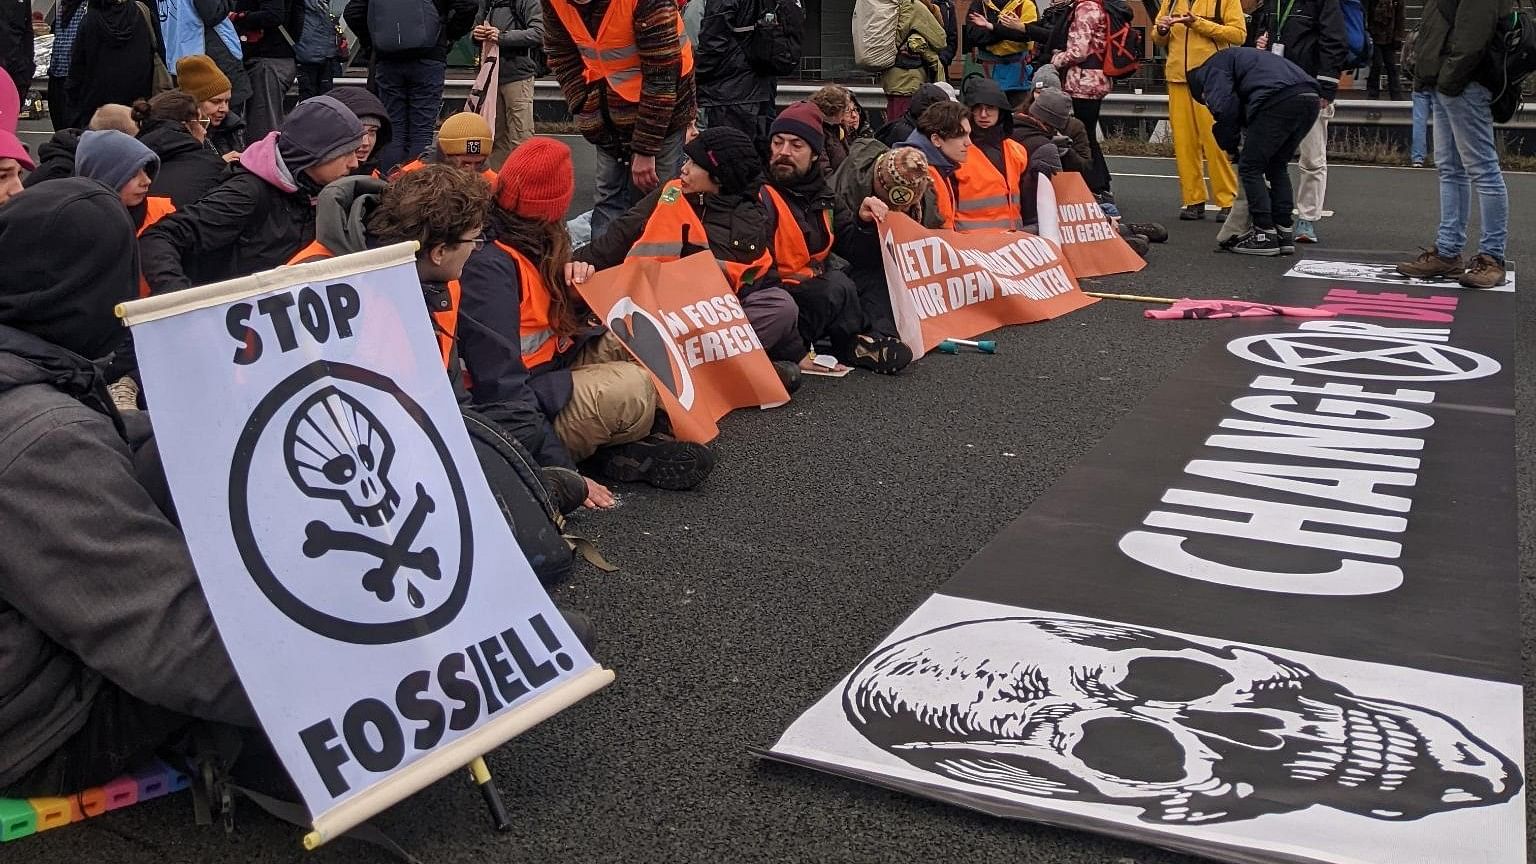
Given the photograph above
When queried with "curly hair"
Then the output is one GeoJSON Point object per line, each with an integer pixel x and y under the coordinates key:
{"type": "Point", "coordinates": [944, 119]}
{"type": "Point", "coordinates": [832, 99]}
{"type": "Point", "coordinates": [434, 205]}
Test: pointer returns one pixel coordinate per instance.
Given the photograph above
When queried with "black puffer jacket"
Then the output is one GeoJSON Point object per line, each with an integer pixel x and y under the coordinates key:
{"type": "Point", "coordinates": [188, 169]}
{"type": "Point", "coordinates": [55, 158]}
{"type": "Point", "coordinates": [723, 74]}
{"type": "Point", "coordinates": [16, 42]}
{"type": "Point", "coordinates": [738, 226]}
{"type": "Point", "coordinates": [1313, 33]}
{"type": "Point", "coordinates": [255, 220]}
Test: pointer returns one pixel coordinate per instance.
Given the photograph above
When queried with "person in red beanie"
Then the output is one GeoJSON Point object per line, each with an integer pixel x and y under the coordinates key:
{"type": "Point", "coordinates": [528, 341]}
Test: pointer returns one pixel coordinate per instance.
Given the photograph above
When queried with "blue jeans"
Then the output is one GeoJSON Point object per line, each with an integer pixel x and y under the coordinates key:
{"type": "Point", "coordinates": [616, 192]}
{"type": "Point", "coordinates": [1465, 156]}
{"type": "Point", "coordinates": [412, 93]}
{"type": "Point", "coordinates": [1423, 103]}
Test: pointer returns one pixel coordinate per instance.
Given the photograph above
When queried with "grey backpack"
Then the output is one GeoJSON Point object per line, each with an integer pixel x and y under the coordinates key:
{"type": "Point", "coordinates": [403, 25]}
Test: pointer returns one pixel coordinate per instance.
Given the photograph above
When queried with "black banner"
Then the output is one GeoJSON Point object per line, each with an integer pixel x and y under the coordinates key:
{"type": "Point", "coordinates": [1272, 617]}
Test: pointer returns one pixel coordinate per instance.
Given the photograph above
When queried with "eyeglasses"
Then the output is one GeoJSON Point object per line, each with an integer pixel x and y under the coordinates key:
{"type": "Point", "coordinates": [478, 241]}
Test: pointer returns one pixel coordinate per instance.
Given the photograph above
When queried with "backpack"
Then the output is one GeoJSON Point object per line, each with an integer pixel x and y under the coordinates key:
{"type": "Point", "coordinates": [774, 47]}
{"type": "Point", "coordinates": [404, 25]}
{"type": "Point", "coordinates": [321, 40]}
{"type": "Point", "coordinates": [874, 34]}
{"type": "Point", "coordinates": [1510, 59]}
{"type": "Point", "coordinates": [1358, 34]}
{"type": "Point", "coordinates": [515, 482]}
{"type": "Point", "coordinates": [1124, 43]}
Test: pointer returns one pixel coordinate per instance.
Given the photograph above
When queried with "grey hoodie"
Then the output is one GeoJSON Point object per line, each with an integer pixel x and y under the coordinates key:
{"type": "Point", "coordinates": [342, 211]}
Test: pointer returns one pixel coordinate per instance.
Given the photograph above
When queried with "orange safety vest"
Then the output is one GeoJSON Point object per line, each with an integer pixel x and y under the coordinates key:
{"type": "Point", "coordinates": [673, 224]}
{"type": "Point", "coordinates": [990, 198]}
{"type": "Point", "coordinates": [445, 320]}
{"type": "Point", "coordinates": [155, 209]}
{"type": "Point", "coordinates": [612, 55]}
{"type": "Point", "coordinates": [535, 332]}
{"type": "Point", "coordinates": [417, 165]}
{"type": "Point", "coordinates": [797, 263]}
{"type": "Point", "coordinates": [945, 195]}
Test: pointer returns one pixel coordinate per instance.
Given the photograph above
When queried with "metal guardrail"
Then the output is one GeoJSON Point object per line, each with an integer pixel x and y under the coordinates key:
{"type": "Point", "coordinates": [1119, 106]}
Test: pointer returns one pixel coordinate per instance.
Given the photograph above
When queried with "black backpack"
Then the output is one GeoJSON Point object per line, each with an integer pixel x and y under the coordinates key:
{"type": "Point", "coordinates": [515, 481]}
{"type": "Point", "coordinates": [1510, 59]}
{"type": "Point", "coordinates": [775, 45]}
{"type": "Point", "coordinates": [404, 25]}
{"type": "Point", "coordinates": [1124, 44]}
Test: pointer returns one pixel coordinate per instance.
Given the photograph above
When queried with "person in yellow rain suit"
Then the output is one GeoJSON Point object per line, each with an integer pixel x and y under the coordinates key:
{"type": "Point", "coordinates": [1193, 30]}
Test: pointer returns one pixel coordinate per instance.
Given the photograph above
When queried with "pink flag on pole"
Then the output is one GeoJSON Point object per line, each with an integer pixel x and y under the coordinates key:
{"type": "Point", "coordinates": [482, 96]}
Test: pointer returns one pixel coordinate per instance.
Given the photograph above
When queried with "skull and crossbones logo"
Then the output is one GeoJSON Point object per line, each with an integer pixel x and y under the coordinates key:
{"type": "Point", "coordinates": [336, 449]}
{"type": "Point", "coordinates": [1191, 733]}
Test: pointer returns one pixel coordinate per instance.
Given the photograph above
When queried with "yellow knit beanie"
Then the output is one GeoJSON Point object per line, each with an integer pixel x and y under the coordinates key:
{"type": "Point", "coordinates": [464, 134]}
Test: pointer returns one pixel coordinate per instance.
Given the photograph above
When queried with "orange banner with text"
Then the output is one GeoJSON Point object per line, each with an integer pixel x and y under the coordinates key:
{"type": "Point", "coordinates": [949, 285]}
{"type": "Point", "coordinates": [682, 321]}
{"type": "Point", "coordinates": [1071, 217]}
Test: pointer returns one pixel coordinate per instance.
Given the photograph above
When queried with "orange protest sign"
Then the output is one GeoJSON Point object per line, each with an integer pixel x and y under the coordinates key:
{"type": "Point", "coordinates": [682, 321]}
{"type": "Point", "coordinates": [952, 285]}
{"type": "Point", "coordinates": [1071, 217]}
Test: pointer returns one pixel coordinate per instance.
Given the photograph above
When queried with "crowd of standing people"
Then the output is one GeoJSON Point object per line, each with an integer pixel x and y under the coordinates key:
{"type": "Point", "coordinates": [177, 162]}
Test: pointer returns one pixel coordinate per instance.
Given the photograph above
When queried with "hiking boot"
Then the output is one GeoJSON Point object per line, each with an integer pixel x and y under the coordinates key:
{"type": "Point", "coordinates": [660, 460]}
{"type": "Point", "coordinates": [1257, 242]}
{"type": "Point", "coordinates": [886, 355]}
{"type": "Point", "coordinates": [1430, 265]}
{"type": "Point", "coordinates": [565, 487]}
{"type": "Point", "coordinates": [1139, 244]}
{"type": "Point", "coordinates": [789, 374]}
{"type": "Point", "coordinates": [1306, 232]}
{"type": "Point", "coordinates": [1485, 272]}
{"type": "Point", "coordinates": [1153, 231]}
{"type": "Point", "coordinates": [1192, 213]}
{"type": "Point", "coordinates": [1287, 238]}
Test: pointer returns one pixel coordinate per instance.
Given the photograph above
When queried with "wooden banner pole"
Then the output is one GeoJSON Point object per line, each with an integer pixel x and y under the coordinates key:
{"type": "Point", "coordinates": [1136, 298]}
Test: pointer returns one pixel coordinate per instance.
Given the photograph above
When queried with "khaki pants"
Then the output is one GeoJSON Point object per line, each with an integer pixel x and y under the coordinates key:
{"type": "Point", "coordinates": [1194, 142]}
{"type": "Point", "coordinates": [514, 119]}
{"type": "Point", "coordinates": [613, 400]}
{"type": "Point", "coordinates": [1313, 187]}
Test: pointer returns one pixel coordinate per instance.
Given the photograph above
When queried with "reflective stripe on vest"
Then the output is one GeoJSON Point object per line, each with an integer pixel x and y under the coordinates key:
{"type": "Point", "coordinates": [673, 225]}
{"type": "Point", "coordinates": [155, 209]}
{"type": "Point", "coordinates": [990, 198]}
{"type": "Point", "coordinates": [445, 322]}
{"type": "Point", "coordinates": [797, 263]}
{"type": "Point", "coordinates": [612, 55]}
{"type": "Point", "coordinates": [944, 194]}
{"type": "Point", "coordinates": [535, 335]}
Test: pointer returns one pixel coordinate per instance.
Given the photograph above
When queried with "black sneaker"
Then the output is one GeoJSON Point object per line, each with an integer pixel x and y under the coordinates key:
{"type": "Point", "coordinates": [1192, 213]}
{"type": "Point", "coordinates": [660, 460]}
{"type": "Point", "coordinates": [1287, 238]}
{"type": "Point", "coordinates": [886, 355]}
{"type": "Point", "coordinates": [567, 488]}
{"type": "Point", "coordinates": [1153, 231]}
{"type": "Point", "coordinates": [789, 375]}
{"type": "Point", "coordinates": [1258, 242]}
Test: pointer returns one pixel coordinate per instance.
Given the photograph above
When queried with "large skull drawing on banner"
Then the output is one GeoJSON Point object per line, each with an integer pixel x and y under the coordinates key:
{"type": "Point", "coordinates": [335, 448]}
{"type": "Point", "coordinates": [1107, 713]}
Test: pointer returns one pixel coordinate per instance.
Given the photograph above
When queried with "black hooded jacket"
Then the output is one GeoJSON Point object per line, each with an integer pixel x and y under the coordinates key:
{"type": "Point", "coordinates": [897, 130]}
{"type": "Point", "coordinates": [16, 43]}
{"type": "Point", "coordinates": [1315, 38]}
{"type": "Point", "coordinates": [1238, 82]}
{"type": "Point", "coordinates": [113, 60]}
{"type": "Point", "coordinates": [188, 169]}
{"type": "Point", "coordinates": [981, 90]}
{"type": "Point", "coordinates": [97, 589]}
{"type": "Point", "coordinates": [366, 105]}
{"type": "Point", "coordinates": [55, 158]}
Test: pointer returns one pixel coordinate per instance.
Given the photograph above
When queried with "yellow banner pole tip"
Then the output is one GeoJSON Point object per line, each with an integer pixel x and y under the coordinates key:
{"type": "Point", "coordinates": [313, 840]}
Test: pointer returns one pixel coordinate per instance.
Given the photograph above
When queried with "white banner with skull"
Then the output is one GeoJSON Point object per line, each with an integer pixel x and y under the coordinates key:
{"type": "Point", "coordinates": [375, 603]}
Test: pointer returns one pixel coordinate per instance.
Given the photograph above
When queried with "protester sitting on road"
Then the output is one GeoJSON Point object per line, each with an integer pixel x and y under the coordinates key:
{"type": "Point", "coordinates": [832, 101]}
{"type": "Point", "coordinates": [943, 135]}
{"type": "Point", "coordinates": [124, 165]}
{"type": "Point", "coordinates": [264, 212]}
{"type": "Point", "coordinates": [171, 127]}
{"type": "Point", "coordinates": [376, 129]}
{"type": "Point", "coordinates": [463, 142]}
{"type": "Point", "coordinates": [897, 129]}
{"type": "Point", "coordinates": [112, 652]}
{"type": "Point", "coordinates": [200, 76]}
{"type": "Point", "coordinates": [635, 108]}
{"type": "Point", "coordinates": [714, 206]}
{"type": "Point", "coordinates": [56, 156]}
{"type": "Point", "coordinates": [13, 160]}
{"type": "Point", "coordinates": [801, 199]}
{"type": "Point", "coordinates": [564, 385]}
{"type": "Point", "coordinates": [1264, 104]}
{"type": "Point", "coordinates": [988, 182]}
{"type": "Point", "coordinates": [873, 182]}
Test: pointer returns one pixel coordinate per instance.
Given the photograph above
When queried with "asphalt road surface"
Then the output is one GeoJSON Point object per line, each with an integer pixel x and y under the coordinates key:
{"type": "Point", "coordinates": [826, 522]}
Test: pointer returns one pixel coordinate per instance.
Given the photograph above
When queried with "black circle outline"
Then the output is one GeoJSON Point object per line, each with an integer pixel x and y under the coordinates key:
{"type": "Point", "coordinates": [300, 612]}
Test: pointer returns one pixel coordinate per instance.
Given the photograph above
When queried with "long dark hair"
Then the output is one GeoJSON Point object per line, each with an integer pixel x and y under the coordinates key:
{"type": "Point", "coordinates": [548, 246]}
